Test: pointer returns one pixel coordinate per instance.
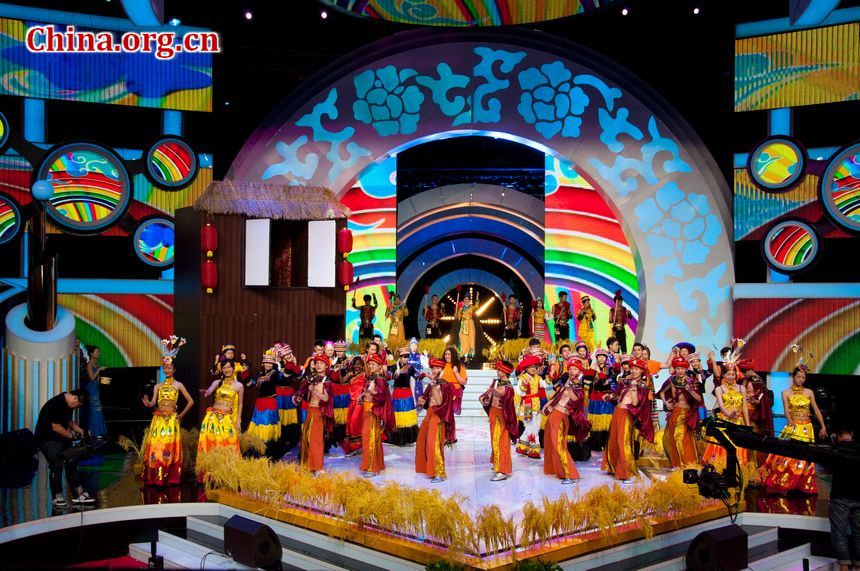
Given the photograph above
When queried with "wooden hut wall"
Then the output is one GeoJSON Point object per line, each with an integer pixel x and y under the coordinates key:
{"type": "Point", "coordinates": [251, 318]}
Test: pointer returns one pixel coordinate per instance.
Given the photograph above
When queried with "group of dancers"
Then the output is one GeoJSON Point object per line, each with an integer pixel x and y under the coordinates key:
{"type": "Point", "coordinates": [545, 406]}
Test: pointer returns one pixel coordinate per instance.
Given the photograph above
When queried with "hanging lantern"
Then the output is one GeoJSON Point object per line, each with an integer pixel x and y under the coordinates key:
{"type": "Point", "coordinates": [344, 241]}
{"type": "Point", "coordinates": [345, 273]}
{"type": "Point", "coordinates": [209, 239]}
{"type": "Point", "coordinates": [209, 276]}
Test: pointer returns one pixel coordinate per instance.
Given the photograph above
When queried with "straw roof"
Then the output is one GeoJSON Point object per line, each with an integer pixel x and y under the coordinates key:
{"type": "Point", "coordinates": [275, 201]}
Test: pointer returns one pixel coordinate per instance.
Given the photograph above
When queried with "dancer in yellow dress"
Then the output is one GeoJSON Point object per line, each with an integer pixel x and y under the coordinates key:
{"type": "Point", "coordinates": [395, 313]}
{"type": "Point", "coordinates": [731, 400]}
{"type": "Point", "coordinates": [465, 314]}
{"type": "Point", "coordinates": [585, 316]}
{"type": "Point", "coordinates": [162, 451]}
{"type": "Point", "coordinates": [220, 426]}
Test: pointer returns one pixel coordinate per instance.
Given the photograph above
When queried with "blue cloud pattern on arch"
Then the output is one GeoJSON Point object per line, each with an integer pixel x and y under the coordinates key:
{"type": "Point", "coordinates": [384, 101]}
{"type": "Point", "coordinates": [550, 102]}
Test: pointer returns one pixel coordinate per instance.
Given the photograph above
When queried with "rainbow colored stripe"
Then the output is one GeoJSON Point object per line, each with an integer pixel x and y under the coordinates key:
{"type": "Point", "coordinates": [127, 328]}
{"type": "Point", "coordinates": [172, 162]}
{"type": "Point", "coordinates": [87, 186]}
{"type": "Point", "coordinates": [827, 328]}
{"type": "Point", "coordinates": [791, 245]}
{"type": "Point", "coordinates": [8, 220]}
{"type": "Point", "coordinates": [586, 249]}
{"type": "Point", "coordinates": [467, 12]}
{"type": "Point", "coordinates": [755, 209]}
{"type": "Point", "coordinates": [373, 203]}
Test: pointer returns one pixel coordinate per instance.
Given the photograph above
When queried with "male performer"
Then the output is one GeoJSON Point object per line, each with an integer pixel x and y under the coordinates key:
{"type": "Point", "coordinates": [561, 315]}
{"type": "Point", "coordinates": [317, 391]}
{"type": "Point", "coordinates": [55, 431]}
{"type": "Point", "coordinates": [682, 398]}
{"type": "Point", "coordinates": [366, 313]}
{"type": "Point", "coordinates": [432, 315]}
{"type": "Point", "coordinates": [566, 415]}
{"type": "Point", "coordinates": [438, 427]}
{"type": "Point", "coordinates": [513, 319]}
{"type": "Point", "coordinates": [618, 317]}
{"type": "Point", "coordinates": [529, 407]}
{"type": "Point", "coordinates": [498, 403]}
{"type": "Point", "coordinates": [378, 417]}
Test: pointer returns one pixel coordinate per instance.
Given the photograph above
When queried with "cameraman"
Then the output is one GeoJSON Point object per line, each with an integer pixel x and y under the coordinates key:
{"type": "Point", "coordinates": [845, 503]}
{"type": "Point", "coordinates": [55, 432]}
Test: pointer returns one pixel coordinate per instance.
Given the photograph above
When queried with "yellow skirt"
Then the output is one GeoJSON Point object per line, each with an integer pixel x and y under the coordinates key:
{"type": "Point", "coordinates": [218, 429]}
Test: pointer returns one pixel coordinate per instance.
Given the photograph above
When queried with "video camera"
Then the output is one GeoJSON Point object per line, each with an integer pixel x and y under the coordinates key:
{"type": "Point", "coordinates": [711, 483]}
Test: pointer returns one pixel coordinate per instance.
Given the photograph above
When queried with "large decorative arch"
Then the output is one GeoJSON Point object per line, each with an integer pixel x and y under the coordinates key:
{"type": "Point", "coordinates": [629, 144]}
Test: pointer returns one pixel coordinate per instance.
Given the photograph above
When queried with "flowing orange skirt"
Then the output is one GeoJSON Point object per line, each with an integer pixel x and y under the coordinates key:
{"type": "Point", "coordinates": [430, 448]}
{"type": "Point", "coordinates": [619, 449]}
{"type": "Point", "coordinates": [372, 457]}
{"type": "Point", "coordinates": [678, 440]}
{"type": "Point", "coordinates": [162, 451]}
{"type": "Point", "coordinates": [781, 474]}
{"type": "Point", "coordinates": [311, 456]}
{"type": "Point", "coordinates": [501, 441]}
{"type": "Point", "coordinates": [557, 459]}
{"type": "Point", "coordinates": [218, 429]}
{"type": "Point", "coordinates": [715, 451]}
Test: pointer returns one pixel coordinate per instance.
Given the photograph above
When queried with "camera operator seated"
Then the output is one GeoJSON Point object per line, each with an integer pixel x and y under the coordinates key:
{"type": "Point", "coordinates": [55, 432]}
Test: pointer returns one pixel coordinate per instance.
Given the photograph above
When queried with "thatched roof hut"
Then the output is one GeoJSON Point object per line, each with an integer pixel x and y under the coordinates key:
{"type": "Point", "coordinates": [274, 201]}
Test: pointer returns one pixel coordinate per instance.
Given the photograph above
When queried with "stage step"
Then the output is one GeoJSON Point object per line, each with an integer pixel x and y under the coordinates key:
{"type": "Point", "coordinates": [667, 552]}
{"type": "Point", "coordinates": [186, 556]}
{"type": "Point", "coordinates": [304, 549]}
{"type": "Point", "coordinates": [479, 380]}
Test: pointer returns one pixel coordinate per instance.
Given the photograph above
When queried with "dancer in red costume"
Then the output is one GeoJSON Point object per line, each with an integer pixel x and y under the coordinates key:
{"type": "Point", "coordinates": [681, 396]}
{"type": "Point", "coordinates": [377, 417]}
{"type": "Point", "coordinates": [355, 413]}
{"type": "Point", "coordinates": [633, 407]}
{"type": "Point", "coordinates": [317, 392]}
{"type": "Point", "coordinates": [438, 428]}
{"type": "Point", "coordinates": [566, 415]}
{"type": "Point", "coordinates": [498, 403]}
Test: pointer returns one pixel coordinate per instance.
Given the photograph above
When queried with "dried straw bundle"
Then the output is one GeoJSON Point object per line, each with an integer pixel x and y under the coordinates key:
{"type": "Point", "coordinates": [275, 201]}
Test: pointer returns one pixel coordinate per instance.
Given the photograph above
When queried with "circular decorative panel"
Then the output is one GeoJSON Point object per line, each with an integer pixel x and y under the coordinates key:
{"type": "Point", "coordinates": [10, 219]}
{"type": "Point", "coordinates": [777, 164]}
{"type": "Point", "coordinates": [171, 163]}
{"type": "Point", "coordinates": [791, 246]}
{"type": "Point", "coordinates": [840, 188]}
{"type": "Point", "coordinates": [153, 241]}
{"type": "Point", "coordinates": [4, 131]}
{"type": "Point", "coordinates": [92, 189]}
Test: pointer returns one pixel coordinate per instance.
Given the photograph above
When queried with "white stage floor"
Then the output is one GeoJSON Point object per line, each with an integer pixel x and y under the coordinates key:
{"type": "Point", "coordinates": [469, 470]}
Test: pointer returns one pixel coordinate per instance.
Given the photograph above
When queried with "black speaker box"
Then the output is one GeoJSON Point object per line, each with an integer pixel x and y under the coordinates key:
{"type": "Point", "coordinates": [251, 543]}
{"type": "Point", "coordinates": [721, 549]}
{"type": "Point", "coordinates": [17, 445]}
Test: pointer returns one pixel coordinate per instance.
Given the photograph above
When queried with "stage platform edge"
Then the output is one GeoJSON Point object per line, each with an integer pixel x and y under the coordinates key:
{"type": "Point", "coordinates": [559, 550]}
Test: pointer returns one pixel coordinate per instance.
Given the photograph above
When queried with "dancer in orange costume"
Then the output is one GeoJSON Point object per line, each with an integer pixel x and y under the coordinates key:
{"type": "Point", "coordinates": [731, 400]}
{"type": "Point", "coordinates": [355, 412]}
{"type": "Point", "coordinates": [633, 405]}
{"type": "Point", "coordinates": [566, 415]}
{"type": "Point", "coordinates": [498, 403]}
{"type": "Point", "coordinates": [220, 426]}
{"type": "Point", "coordinates": [781, 474]}
{"type": "Point", "coordinates": [162, 451]}
{"type": "Point", "coordinates": [681, 395]}
{"type": "Point", "coordinates": [378, 417]}
{"type": "Point", "coordinates": [317, 391]}
{"type": "Point", "coordinates": [438, 427]}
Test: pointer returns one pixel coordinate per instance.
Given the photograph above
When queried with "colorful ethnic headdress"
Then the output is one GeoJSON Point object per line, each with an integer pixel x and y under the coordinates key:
{"type": "Point", "coordinates": [803, 357]}
{"type": "Point", "coordinates": [170, 348]}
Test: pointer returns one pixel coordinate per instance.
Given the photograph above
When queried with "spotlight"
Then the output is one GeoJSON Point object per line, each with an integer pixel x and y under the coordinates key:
{"type": "Point", "coordinates": [175, 22]}
{"type": "Point", "coordinates": [249, 15]}
{"type": "Point", "coordinates": [323, 14]}
{"type": "Point", "coordinates": [226, 104]}
{"type": "Point", "coordinates": [696, 10]}
{"type": "Point", "coordinates": [624, 11]}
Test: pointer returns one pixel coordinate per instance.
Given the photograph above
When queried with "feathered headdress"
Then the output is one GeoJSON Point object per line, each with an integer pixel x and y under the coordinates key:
{"type": "Point", "coordinates": [170, 348]}
{"type": "Point", "coordinates": [734, 356]}
{"type": "Point", "coordinates": [803, 357]}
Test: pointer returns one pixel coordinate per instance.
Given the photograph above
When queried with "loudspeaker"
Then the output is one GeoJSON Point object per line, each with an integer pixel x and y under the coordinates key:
{"type": "Point", "coordinates": [251, 543]}
{"type": "Point", "coordinates": [721, 549]}
{"type": "Point", "coordinates": [17, 445]}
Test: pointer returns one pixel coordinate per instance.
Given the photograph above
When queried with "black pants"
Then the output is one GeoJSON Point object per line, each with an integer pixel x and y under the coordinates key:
{"type": "Point", "coordinates": [433, 332]}
{"type": "Point", "coordinates": [51, 450]}
{"type": "Point", "coordinates": [563, 332]}
{"type": "Point", "coordinates": [366, 332]}
{"type": "Point", "coordinates": [512, 333]}
{"type": "Point", "coordinates": [621, 335]}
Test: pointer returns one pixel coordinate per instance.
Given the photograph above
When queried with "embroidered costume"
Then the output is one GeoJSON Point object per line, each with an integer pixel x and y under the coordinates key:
{"type": "Point", "coordinates": [781, 474]}
{"type": "Point", "coordinates": [599, 409]}
{"type": "Point", "coordinates": [498, 403]}
{"type": "Point", "coordinates": [566, 417]}
{"type": "Point", "coordinates": [437, 429]}
{"type": "Point", "coordinates": [162, 451]}
{"type": "Point", "coordinates": [561, 317]}
{"type": "Point", "coordinates": [586, 316]}
{"type": "Point", "coordinates": [632, 409]}
{"type": "Point", "coordinates": [266, 421]}
{"type": "Point", "coordinates": [529, 406]}
{"type": "Point", "coordinates": [680, 395]}
{"type": "Point", "coordinates": [219, 427]}
{"type": "Point", "coordinates": [319, 421]}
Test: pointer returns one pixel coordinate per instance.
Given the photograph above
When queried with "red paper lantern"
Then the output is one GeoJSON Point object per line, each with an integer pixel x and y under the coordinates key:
{"type": "Point", "coordinates": [344, 241]}
{"type": "Point", "coordinates": [209, 276]}
{"type": "Point", "coordinates": [504, 297]}
{"type": "Point", "coordinates": [344, 273]}
{"type": "Point", "coordinates": [209, 239]}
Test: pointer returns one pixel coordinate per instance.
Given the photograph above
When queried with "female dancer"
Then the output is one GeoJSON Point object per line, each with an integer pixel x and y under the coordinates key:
{"type": "Point", "coordinates": [632, 406]}
{"type": "Point", "coordinates": [403, 399]}
{"type": "Point", "coordinates": [355, 377]}
{"type": "Point", "coordinates": [395, 313]}
{"type": "Point", "coordinates": [316, 391]}
{"type": "Point", "coordinates": [378, 417]}
{"type": "Point", "coordinates": [529, 405]}
{"type": "Point", "coordinates": [781, 474]}
{"type": "Point", "coordinates": [162, 451]}
{"type": "Point", "coordinates": [266, 420]}
{"type": "Point", "coordinates": [285, 387]}
{"type": "Point", "coordinates": [465, 314]}
{"type": "Point", "coordinates": [455, 374]}
{"type": "Point", "coordinates": [565, 414]}
{"type": "Point", "coordinates": [731, 401]}
{"type": "Point", "coordinates": [220, 426]}
{"type": "Point", "coordinates": [538, 328]}
{"type": "Point", "coordinates": [92, 417]}
{"type": "Point", "coordinates": [600, 410]}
